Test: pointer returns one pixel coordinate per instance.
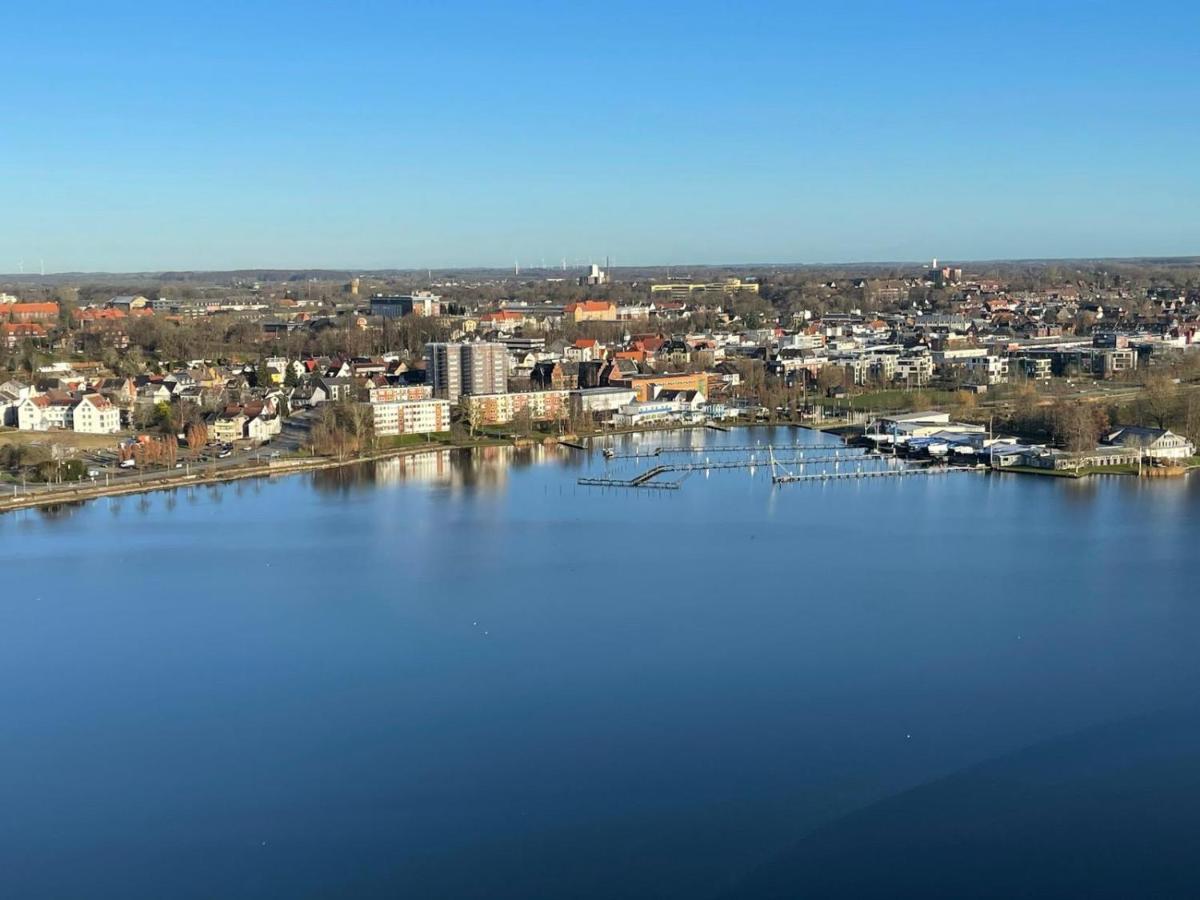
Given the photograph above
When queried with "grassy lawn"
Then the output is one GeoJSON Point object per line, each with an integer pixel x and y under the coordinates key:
{"type": "Point", "coordinates": [397, 441]}
{"type": "Point", "coordinates": [61, 438]}
{"type": "Point", "coordinates": [1073, 473]}
{"type": "Point", "coordinates": [895, 399]}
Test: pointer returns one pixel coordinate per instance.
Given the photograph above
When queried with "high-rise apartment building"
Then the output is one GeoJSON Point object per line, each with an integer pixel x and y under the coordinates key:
{"type": "Point", "coordinates": [452, 370]}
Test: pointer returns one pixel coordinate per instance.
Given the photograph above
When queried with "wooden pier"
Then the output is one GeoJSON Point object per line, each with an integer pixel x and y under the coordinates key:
{"type": "Point", "coordinates": [609, 454]}
{"type": "Point", "coordinates": [756, 463]}
{"type": "Point", "coordinates": [644, 480]}
{"type": "Point", "coordinates": [789, 477]}
{"type": "Point", "coordinates": [750, 448]}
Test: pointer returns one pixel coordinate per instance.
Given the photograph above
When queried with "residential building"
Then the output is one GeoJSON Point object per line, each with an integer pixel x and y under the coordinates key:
{"type": "Point", "coordinates": [14, 334]}
{"type": "Point", "coordinates": [399, 393]}
{"type": "Point", "coordinates": [31, 312]}
{"type": "Point", "coordinates": [591, 311]}
{"type": "Point", "coordinates": [12, 393]}
{"type": "Point", "coordinates": [500, 409]}
{"type": "Point", "coordinates": [96, 414]}
{"type": "Point", "coordinates": [978, 364]}
{"type": "Point", "coordinates": [914, 368]}
{"type": "Point", "coordinates": [424, 416]}
{"type": "Point", "coordinates": [454, 369]}
{"type": "Point", "coordinates": [263, 427]}
{"type": "Point", "coordinates": [338, 389]}
{"type": "Point", "coordinates": [228, 426]}
{"type": "Point", "coordinates": [1154, 443]}
{"type": "Point", "coordinates": [1035, 368]}
{"type": "Point", "coordinates": [503, 320]}
{"type": "Point", "coordinates": [45, 411]}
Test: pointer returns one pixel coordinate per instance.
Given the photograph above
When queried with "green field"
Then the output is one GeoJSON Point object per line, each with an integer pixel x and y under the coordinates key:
{"type": "Point", "coordinates": [895, 399]}
{"type": "Point", "coordinates": [396, 441]}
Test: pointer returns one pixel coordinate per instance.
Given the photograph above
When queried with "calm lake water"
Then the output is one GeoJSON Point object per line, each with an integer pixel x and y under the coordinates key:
{"type": "Point", "coordinates": [465, 676]}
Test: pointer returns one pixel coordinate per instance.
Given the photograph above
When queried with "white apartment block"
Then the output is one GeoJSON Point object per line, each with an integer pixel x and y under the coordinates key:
{"type": "Point", "coordinates": [979, 363]}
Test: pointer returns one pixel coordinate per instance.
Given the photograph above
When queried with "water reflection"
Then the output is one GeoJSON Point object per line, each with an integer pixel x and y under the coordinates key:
{"type": "Point", "coordinates": [722, 669]}
{"type": "Point", "coordinates": [59, 511]}
{"type": "Point", "coordinates": [480, 468]}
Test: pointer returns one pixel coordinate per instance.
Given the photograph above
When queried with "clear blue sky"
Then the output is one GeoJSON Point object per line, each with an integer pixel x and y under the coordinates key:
{"type": "Point", "coordinates": [141, 136]}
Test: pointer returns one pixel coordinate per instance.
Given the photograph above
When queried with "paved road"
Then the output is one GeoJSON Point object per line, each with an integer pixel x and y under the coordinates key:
{"type": "Point", "coordinates": [293, 436]}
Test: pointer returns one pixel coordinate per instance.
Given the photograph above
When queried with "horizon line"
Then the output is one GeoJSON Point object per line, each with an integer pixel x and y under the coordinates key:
{"type": "Point", "coordinates": [149, 273]}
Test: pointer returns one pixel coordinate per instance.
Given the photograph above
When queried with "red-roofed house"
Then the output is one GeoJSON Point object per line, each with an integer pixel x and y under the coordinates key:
{"type": "Point", "coordinates": [503, 319]}
{"type": "Point", "coordinates": [13, 334]}
{"type": "Point", "coordinates": [32, 312]}
{"type": "Point", "coordinates": [584, 350]}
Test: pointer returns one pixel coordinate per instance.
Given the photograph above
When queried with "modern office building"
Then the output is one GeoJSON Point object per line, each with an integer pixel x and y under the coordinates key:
{"type": "Point", "coordinates": [393, 306]}
{"type": "Point", "coordinates": [681, 290]}
{"type": "Point", "coordinates": [452, 370]}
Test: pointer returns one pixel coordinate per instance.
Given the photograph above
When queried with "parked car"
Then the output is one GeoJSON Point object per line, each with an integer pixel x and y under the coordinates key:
{"type": "Point", "coordinates": [224, 453]}
{"type": "Point", "coordinates": [128, 463]}
{"type": "Point", "coordinates": [93, 473]}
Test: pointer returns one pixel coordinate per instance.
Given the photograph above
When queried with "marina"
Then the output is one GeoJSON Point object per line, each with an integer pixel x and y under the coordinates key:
{"type": "Point", "coordinates": [803, 463]}
{"type": "Point", "coordinates": [610, 453]}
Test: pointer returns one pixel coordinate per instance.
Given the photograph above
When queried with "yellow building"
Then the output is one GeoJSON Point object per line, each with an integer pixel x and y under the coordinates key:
{"type": "Point", "coordinates": [591, 311]}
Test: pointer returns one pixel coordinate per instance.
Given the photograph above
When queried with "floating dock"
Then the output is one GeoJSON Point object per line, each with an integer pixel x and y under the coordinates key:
{"type": "Point", "coordinates": [643, 480]}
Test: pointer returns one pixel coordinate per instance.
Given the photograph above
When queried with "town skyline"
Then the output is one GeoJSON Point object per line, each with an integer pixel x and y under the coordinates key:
{"type": "Point", "coordinates": [861, 265]}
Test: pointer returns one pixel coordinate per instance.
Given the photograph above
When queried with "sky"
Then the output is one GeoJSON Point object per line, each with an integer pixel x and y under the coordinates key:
{"type": "Point", "coordinates": [216, 135]}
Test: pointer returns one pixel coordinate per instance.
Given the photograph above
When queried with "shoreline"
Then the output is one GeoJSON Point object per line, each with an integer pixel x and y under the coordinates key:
{"type": "Point", "coordinates": [170, 481]}
{"type": "Point", "coordinates": [81, 492]}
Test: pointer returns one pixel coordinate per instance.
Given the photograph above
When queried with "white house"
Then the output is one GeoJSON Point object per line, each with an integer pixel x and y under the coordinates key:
{"type": "Point", "coordinates": [263, 427]}
{"type": "Point", "coordinates": [667, 406]}
{"type": "Point", "coordinates": [96, 414]}
{"type": "Point", "coordinates": [45, 411]}
{"type": "Point", "coordinates": [11, 395]}
{"type": "Point", "coordinates": [1156, 443]}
